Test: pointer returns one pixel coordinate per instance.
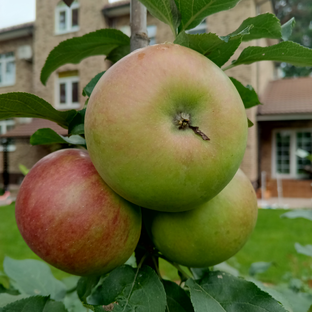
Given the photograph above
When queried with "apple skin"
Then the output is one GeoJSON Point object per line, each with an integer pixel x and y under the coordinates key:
{"type": "Point", "coordinates": [211, 233]}
{"type": "Point", "coordinates": [133, 138]}
{"type": "Point", "coordinates": [71, 219]}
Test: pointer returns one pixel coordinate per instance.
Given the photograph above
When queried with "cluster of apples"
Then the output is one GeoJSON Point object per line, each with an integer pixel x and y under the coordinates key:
{"type": "Point", "coordinates": [166, 131]}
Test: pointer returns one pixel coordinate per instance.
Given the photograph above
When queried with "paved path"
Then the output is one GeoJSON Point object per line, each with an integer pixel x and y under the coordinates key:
{"type": "Point", "coordinates": [286, 203]}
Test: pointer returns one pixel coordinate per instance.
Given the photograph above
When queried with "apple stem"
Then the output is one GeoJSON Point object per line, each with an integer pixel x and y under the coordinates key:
{"type": "Point", "coordinates": [183, 121]}
{"type": "Point", "coordinates": [197, 131]}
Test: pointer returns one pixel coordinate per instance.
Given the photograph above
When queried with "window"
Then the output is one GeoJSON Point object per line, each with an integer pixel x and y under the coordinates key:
{"type": "Point", "coordinates": [7, 69]}
{"type": "Point", "coordinates": [66, 19]}
{"type": "Point", "coordinates": [286, 159]}
{"type": "Point", "coordinates": [5, 126]}
{"type": "Point", "coordinates": [151, 32]}
{"type": "Point", "coordinates": [199, 29]}
{"type": "Point", "coordinates": [67, 90]}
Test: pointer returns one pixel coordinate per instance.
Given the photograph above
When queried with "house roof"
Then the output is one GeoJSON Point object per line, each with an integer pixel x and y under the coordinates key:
{"type": "Point", "coordinates": [17, 31]}
{"type": "Point", "coordinates": [287, 96]}
{"type": "Point", "coordinates": [28, 129]}
{"type": "Point", "coordinates": [118, 8]}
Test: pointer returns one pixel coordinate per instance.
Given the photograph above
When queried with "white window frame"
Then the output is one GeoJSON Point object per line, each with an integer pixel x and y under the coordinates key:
{"type": "Point", "coordinates": [68, 82]}
{"type": "Point", "coordinates": [152, 32]}
{"type": "Point", "coordinates": [293, 158]}
{"type": "Point", "coordinates": [3, 62]}
{"type": "Point", "coordinates": [3, 125]}
{"type": "Point", "coordinates": [201, 26]}
{"type": "Point", "coordinates": [68, 13]}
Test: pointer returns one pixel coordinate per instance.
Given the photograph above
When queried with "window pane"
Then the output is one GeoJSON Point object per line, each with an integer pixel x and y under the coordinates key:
{"type": "Point", "coordinates": [62, 21]}
{"type": "Point", "coordinates": [282, 153]}
{"type": "Point", "coordinates": [10, 72]}
{"type": "Point", "coordinates": [75, 92]}
{"type": "Point", "coordinates": [74, 17]}
{"type": "Point", "coordinates": [9, 54]}
{"type": "Point", "coordinates": [62, 93]}
{"type": "Point", "coordinates": [304, 142]}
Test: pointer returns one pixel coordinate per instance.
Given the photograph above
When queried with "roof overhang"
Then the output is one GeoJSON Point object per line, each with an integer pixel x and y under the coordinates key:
{"type": "Point", "coordinates": [281, 117]}
{"type": "Point", "coordinates": [116, 9]}
{"type": "Point", "coordinates": [18, 31]}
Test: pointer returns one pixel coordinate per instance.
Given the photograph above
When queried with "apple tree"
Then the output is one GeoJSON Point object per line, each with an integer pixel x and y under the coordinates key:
{"type": "Point", "coordinates": [193, 218]}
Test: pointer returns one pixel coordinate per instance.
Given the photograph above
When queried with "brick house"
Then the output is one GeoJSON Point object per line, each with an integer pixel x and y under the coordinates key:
{"type": "Point", "coordinates": [285, 131]}
{"type": "Point", "coordinates": [24, 48]}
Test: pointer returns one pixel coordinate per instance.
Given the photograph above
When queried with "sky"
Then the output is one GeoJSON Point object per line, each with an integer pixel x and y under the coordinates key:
{"type": "Point", "coordinates": [14, 12]}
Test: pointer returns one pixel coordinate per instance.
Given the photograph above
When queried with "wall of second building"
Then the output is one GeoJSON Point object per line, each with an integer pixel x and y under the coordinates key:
{"type": "Point", "coordinates": [23, 68]}
{"type": "Point", "coordinates": [45, 39]}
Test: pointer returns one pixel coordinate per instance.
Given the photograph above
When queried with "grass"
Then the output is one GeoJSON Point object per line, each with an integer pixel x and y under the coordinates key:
{"type": "Point", "coordinates": [272, 241]}
{"type": "Point", "coordinates": [12, 243]}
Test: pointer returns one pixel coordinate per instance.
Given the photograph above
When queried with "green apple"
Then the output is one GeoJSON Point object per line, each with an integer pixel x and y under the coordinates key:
{"type": "Point", "coordinates": [211, 233]}
{"type": "Point", "coordinates": [71, 219]}
{"type": "Point", "coordinates": [165, 128]}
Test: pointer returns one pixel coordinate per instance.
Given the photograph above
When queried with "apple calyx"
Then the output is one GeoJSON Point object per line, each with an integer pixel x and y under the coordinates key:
{"type": "Point", "coordinates": [183, 120]}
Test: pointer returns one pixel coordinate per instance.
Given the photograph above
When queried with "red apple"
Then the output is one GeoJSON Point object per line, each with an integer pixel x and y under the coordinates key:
{"type": "Point", "coordinates": [141, 128]}
{"type": "Point", "coordinates": [212, 232]}
{"type": "Point", "coordinates": [71, 219]}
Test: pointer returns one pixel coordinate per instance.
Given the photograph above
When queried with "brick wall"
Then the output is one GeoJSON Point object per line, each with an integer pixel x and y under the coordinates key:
{"type": "Point", "coordinates": [24, 68]}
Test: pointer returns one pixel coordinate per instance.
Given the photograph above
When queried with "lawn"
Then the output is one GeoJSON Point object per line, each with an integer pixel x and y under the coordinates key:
{"type": "Point", "coordinates": [12, 243]}
{"type": "Point", "coordinates": [272, 241]}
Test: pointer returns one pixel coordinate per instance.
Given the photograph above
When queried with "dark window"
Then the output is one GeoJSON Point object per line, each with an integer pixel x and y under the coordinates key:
{"type": "Point", "coordinates": [75, 17]}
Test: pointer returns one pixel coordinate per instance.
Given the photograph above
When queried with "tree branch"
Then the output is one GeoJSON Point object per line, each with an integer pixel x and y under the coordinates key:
{"type": "Point", "coordinates": [139, 37]}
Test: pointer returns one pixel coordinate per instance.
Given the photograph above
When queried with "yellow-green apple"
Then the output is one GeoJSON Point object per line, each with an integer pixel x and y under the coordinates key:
{"type": "Point", "coordinates": [212, 232]}
{"type": "Point", "coordinates": [71, 219]}
{"type": "Point", "coordinates": [165, 128]}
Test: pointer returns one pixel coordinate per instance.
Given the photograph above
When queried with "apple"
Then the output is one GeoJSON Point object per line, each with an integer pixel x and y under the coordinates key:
{"type": "Point", "coordinates": [165, 128]}
{"type": "Point", "coordinates": [212, 232]}
{"type": "Point", "coordinates": [71, 219]}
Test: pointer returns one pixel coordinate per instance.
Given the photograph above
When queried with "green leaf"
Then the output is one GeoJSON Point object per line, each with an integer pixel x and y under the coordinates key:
{"type": "Point", "coordinates": [85, 286]}
{"type": "Point", "coordinates": [259, 267]}
{"type": "Point", "coordinates": [47, 136]}
{"type": "Point", "coordinates": [287, 29]}
{"type": "Point", "coordinates": [20, 104]}
{"type": "Point", "coordinates": [23, 169]}
{"type": "Point", "coordinates": [263, 26]}
{"type": "Point", "coordinates": [177, 298]}
{"type": "Point", "coordinates": [35, 304]}
{"type": "Point", "coordinates": [210, 45]}
{"type": "Point", "coordinates": [87, 90]}
{"type": "Point", "coordinates": [304, 250]}
{"type": "Point", "coordinates": [68, 2]}
{"type": "Point", "coordinates": [250, 123]}
{"type": "Point", "coordinates": [220, 292]}
{"type": "Point", "coordinates": [298, 213]}
{"type": "Point", "coordinates": [118, 53]}
{"type": "Point", "coordinates": [288, 51]}
{"type": "Point", "coordinates": [33, 277]}
{"type": "Point", "coordinates": [199, 273]}
{"type": "Point", "coordinates": [164, 10]}
{"type": "Point", "coordinates": [193, 12]}
{"type": "Point", "coordinates": [277, 295]}
{"type": "Point", "coordinates": [5, 299]}
{"type": "Point", "coordinates": [100, 42]}
{"type": "Point", "coordinates": [248, 94]}
{"type": "Point", "coordinates": [127, 289]}
{"type": "Point", "coordinates": [76, 126]}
